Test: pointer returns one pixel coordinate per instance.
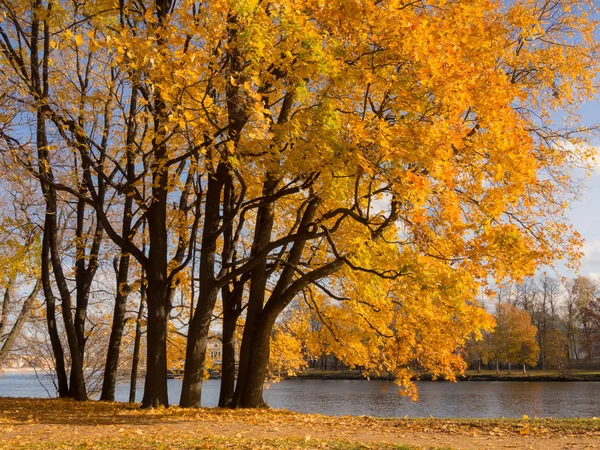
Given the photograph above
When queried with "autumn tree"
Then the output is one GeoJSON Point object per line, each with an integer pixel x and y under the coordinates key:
{"type": "Point", "coordinates": [416, 186]}
{"type": "Point", "coordinates": [585, 291]}
{"type": "Point", "coordinates": [514, 338]}
{"type": "Point", "coordinates": [480, 350]}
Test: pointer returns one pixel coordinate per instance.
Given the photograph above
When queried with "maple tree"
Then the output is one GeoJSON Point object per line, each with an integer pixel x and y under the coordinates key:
{"type": "Point", "coordinates": [514, 338]}
{"type": "Point", "coordinates": [376, 160]}
{"type": "Point", "coordinates": [585, 294]}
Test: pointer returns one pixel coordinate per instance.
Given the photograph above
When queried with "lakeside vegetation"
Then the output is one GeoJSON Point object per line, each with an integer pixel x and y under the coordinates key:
{"type": "Point", "coordinates": [469, 375]}
{"type": "Point", "coordinates": [65, 424]}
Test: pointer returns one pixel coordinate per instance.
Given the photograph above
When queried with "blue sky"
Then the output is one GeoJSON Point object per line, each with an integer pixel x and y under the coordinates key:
{"type": "Point", "coordinates": [585, 214]}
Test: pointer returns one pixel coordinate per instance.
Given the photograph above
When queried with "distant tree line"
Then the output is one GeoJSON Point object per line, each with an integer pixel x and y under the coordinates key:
{"type": "Point", "coordinates": [543, 323]}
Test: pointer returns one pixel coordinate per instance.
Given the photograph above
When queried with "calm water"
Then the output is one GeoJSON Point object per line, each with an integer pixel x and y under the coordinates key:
{"type": "Point", "coordinates": [379, 398]}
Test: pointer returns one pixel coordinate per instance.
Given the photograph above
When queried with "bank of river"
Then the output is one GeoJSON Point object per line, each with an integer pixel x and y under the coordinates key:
{"type": "Point", "coordinates": [580, 375]}
{"type": "Point", "coordinates": [63, 424]}
{"type": "Point", "coordinates": [380, 398]}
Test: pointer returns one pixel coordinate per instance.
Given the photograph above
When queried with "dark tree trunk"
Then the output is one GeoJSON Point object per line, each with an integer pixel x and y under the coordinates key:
{"type": "Point", "coordinates": [155, 387]}
{"type": "Point", "coordinates": [249, 394]}
{"type": "Point", "coordinates": [228, 360]}
{"type": "Point", "coordinates": [116, 333]}
{"type": "Point", "coordinates": [255, 349]}
{"type": "Point", "coordinates": [57, 350]}
{"type": "Point", "coordinates": [191, 389]}
{"type": "Point", "coordinates": [258, 282]}
{"type": "Point", "coordinates": [40, 88]}
{"type": "Point", "coordinates": [136, 345]}
{"type": "Point", "coordinates": [232, 302]}
{"type": "Point", "coordinates": [159, 288]}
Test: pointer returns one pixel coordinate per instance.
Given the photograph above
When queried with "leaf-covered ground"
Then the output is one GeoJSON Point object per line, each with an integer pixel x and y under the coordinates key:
{"type": "Point", "coordinates": [60, 424]}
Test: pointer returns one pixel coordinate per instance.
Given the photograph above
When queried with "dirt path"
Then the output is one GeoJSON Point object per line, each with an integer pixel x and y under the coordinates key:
{"type": "Point", "coordinates": [27, 423]}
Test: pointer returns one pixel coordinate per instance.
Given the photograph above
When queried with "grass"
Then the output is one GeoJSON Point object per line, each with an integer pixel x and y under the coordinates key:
{"type": "Point", "coordinates": [42, 424]}
{"type": "Point", "coordinates": [214, 444]}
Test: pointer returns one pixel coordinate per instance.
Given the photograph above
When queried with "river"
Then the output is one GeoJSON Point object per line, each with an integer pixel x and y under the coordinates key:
{"type": "Point", "coordinates": [475, 399]}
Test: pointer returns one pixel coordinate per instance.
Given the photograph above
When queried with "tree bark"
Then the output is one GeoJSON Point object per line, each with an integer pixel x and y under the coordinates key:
{"type": "Point", "coordinates": [159, 288]}
{"type": "Point", "coordinates": [57, 350]}
{"type": "Point", "coordinates": [231, 296]}
{"type": "Point", "coordinates": [232, 307]}
{"type": "Point", "coordinates": [249, 393]}
{"type": "Point", "coordinates": [116, 333]}
{"type": "Point", "coordinates": [136, 345]}
{"type": "Point", "coordinates": [249, 388]}
{"type": "Point", "coordinates": [191, 389]}
{"type": "Point", "coordinates": [40, 88]}
{"type": "Point", "coordinates": [155, 387]}
{"type": "Point", "coordinates": [258, 281]}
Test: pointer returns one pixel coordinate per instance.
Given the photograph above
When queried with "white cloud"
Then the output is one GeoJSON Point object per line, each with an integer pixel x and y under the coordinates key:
{"type": "Point", "coordinates": [591, 256]}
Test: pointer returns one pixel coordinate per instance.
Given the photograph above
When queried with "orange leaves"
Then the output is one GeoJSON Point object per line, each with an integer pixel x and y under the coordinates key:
{"type": "Point", "coordinates": [514, 338]}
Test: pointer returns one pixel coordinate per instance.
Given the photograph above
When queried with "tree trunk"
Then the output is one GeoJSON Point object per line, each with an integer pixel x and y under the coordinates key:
{"type": "Point", "coordinates": [136, 345]}
{"type": "Point", "coordinates": [57, 350]}
{"type": "Point", "coordinates": [155, 387]}
{"type": "Point", "coordinates": [249, 393]}
{"type": "Point", "coordinates": [191, 389]}
{"type": "Point", "coordinates": [509, 368]}
{"type": "Point", "coordinates": [254, 355]}
{"type": "Point", "coordinates": [116, 333]}
{"type": "Point", "coordinates": [231, 312]}
{"type": "Point", "coordinates": [40, 92]}
{"type": "Point", "coordinates": [232, 305]}
{"type": "Point", "coordinates": [258, 282]}
{"type": "Point", "coordinates": [227, 362]}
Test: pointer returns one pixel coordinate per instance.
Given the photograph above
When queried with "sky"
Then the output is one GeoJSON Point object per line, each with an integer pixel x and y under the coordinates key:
{"type": "Point", "coordinates": [585, 214]}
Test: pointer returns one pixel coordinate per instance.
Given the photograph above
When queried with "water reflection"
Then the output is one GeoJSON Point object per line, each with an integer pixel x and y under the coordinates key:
{"type": "Point", "coordinates": [380, 398]}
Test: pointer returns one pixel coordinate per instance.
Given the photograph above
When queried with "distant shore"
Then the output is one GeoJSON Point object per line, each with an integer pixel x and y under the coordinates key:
{"type": "Point", "coordinates": [470, 375]}
{"type": "Point", "coordinates": [20, 370]}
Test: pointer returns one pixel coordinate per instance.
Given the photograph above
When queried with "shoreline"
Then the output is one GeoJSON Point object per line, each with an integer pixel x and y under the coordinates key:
{"type": "Point", "coordinates": [50, 424]}
{"type": "Point", "coordinates": [352, 375]}
{"type": "Point", "coordinates": [20, 370]}
{"type": "Point", "coordinates": [336, 375]}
